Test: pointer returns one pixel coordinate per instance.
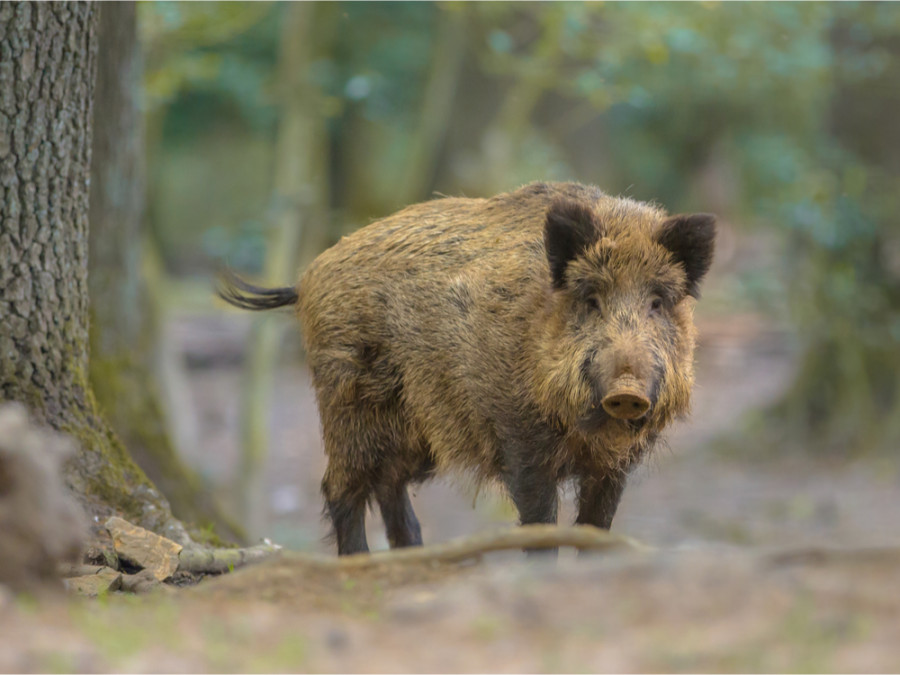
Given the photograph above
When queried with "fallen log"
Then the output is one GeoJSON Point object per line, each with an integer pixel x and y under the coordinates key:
{"type": "Point", "coordinates": [581, 537]}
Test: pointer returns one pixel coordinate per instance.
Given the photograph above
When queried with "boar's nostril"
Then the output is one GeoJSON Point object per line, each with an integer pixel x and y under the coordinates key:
{"type": "Point", "coordinates": [626, 405]}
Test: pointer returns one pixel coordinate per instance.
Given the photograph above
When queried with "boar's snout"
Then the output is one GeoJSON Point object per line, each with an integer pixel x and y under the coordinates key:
{"type": "Point", "coordinates": [627, 406]}
{"type": "Point", "coordinates": [626, 401]}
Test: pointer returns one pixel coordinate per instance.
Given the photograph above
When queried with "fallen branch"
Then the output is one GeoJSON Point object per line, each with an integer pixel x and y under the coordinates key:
{"type": "Point", "coordinates": [219, 560]}
{"type": "Point", "coordinates": [581, 537]}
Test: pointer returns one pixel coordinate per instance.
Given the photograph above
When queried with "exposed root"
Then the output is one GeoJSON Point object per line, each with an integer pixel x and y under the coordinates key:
{"type": "Point", "coordinates": [581, 537]}
{"type": "Point", "coordinates": [217, 561]}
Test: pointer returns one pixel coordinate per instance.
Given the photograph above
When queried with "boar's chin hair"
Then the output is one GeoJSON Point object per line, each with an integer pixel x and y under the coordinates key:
{"type": "Point", "coordinates": [570, 228]}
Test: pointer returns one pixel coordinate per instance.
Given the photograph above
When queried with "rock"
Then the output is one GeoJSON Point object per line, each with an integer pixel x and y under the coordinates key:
{"type": "Point", "coordinates": [104, 581]}
{"type": "Point", "coordinates": [99, 549]}
{"type": "Point", "coordinates": [68, 570]}
{"type": "Point", "coordinates": [144, 548]}
{"type": "Point", "coordinates": [7, 597]}
{"type": "Point", "coordinates": [142, 582]}
{"type": "Point", "coordinates": [41, 525]}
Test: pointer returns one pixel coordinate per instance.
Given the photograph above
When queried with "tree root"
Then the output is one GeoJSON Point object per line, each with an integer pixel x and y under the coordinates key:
{"type": "Point", "coordinates": [581, 537]}
{"type": "Point", "coordinates": [197, 560]}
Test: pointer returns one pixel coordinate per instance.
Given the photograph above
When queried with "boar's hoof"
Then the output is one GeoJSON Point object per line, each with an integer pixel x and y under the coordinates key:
{"type": "Point", "coordinates": [626, 406]}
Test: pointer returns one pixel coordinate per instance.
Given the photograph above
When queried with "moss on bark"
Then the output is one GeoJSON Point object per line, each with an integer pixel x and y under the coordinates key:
{"type": "Point", "coordinates": [128, 395]}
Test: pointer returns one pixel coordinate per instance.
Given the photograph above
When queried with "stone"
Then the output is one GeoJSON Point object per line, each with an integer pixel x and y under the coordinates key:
{"type": "Point", "coordinates": [7, 597]}
{"type": "Point", "coordinates": [144, 548]}
{"type": "Point", "coordinates": [41, 524]}
{"type": "Point", "coordinates": [68, 570]}
{"type": "Point", "coordinates": [104, 581]}
{"type": "Point", "coordinates": [142, 582]}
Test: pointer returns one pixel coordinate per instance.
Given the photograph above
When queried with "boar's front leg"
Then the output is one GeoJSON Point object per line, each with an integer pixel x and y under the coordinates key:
{"type": "Point", "coordinates": [598, 498]}
{"type": "Point", "coordinates": [400, 520]}
{"type": "Point", "coordinates": [532, 486]}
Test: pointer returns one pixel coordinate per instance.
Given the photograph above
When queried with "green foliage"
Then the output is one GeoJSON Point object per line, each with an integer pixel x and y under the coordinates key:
{"type": "Point", "coordinates": [379, 59]}
{"type": "Point", "coordinates": [221, 47]}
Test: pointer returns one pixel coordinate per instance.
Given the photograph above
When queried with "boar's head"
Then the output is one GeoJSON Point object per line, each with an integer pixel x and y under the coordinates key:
{"type": "Point", "coordinates": [617, 348]}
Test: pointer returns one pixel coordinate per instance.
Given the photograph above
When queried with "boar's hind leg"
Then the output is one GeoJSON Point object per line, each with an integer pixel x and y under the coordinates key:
{"type": "Point", "coordinates": [399, 518]}
{"type": "Point", "coordinates": [347, 510]}
{"type": "Point", "coordinates": [349, 521]}
{"type": "Point", "coordinates": [598, 499]}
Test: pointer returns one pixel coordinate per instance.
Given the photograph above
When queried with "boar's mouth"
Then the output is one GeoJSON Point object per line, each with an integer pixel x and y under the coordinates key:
{"type": "Point", "coordinates": [596, 418]}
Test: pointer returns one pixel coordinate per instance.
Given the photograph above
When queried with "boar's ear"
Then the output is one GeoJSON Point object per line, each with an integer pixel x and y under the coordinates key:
{"type": "Point", "coordinates": [570, 228]}
{"type": "Point", "coordinates": [690, 240]}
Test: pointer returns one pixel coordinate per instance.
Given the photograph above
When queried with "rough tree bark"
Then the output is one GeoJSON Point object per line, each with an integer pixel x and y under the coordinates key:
{"type": "Point", "coordinates": [47, 75]}
{"type": "Point", "coordinates": [123, 329]}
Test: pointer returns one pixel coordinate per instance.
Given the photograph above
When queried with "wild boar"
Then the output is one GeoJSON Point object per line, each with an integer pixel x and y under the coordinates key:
{"type": "Point", "coordinates": [533, 337]}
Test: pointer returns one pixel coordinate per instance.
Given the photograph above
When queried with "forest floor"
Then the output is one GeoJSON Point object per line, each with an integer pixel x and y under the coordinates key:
{"type": "Point", "coordinates": [760, 561]}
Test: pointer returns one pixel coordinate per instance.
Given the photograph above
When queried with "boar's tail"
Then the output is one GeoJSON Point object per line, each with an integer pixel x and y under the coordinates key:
{"type": "Point", "coordinates": [235, 291]}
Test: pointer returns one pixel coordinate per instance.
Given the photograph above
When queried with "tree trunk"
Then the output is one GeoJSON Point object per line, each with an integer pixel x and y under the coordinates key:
{"type": "Point", "coordinates": [503, 140]}
{"type": "Point", "coordinates": [123, 329]}
{"type": "Point", "coordinates": [47, 74]}
{"type": "Point", "coordinates": [845, 399]}
{"type": "Point", "coordinates": [437, 107]}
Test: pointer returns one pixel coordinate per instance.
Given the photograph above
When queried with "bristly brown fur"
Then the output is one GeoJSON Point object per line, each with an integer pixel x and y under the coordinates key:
{"type": "Point", "coordinates": [480, 336]}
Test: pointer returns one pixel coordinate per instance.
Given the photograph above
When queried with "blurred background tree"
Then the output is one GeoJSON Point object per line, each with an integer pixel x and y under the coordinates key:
{"type": "Point", "coordinates": [124, 319]}
{"type": "Point", "coordinates": [781, 117]}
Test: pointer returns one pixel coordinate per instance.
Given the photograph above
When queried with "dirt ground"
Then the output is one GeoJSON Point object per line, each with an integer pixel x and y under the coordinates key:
{"type": "Point", "coordinates": [759, 563]}
{"type": "Point", "coordinates": [668, 611]}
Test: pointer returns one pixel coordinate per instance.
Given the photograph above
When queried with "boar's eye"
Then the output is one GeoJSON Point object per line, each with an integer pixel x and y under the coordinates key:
{"type": "Point", "coordinates": [594, 303]}
{"type": "Point", "coordinates": [656, 305]}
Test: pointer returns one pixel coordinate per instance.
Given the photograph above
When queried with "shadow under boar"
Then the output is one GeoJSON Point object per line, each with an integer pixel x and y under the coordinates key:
{"type": "Point", "coordinates": [536, 336]}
